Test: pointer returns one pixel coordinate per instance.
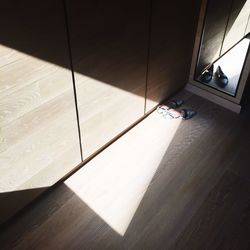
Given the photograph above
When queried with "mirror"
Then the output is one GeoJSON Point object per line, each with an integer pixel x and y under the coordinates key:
{"type": "Point", "coordinates": [224, 44]}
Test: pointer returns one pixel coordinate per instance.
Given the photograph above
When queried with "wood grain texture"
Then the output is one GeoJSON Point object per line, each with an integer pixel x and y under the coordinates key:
{"type": "Point", "coordinates": [222, 222]}
{"type": "Point", "coordinates": [38, 133]}
{"type": "Point", "coordinates": [196, 193]}
{"type": "Point", "coordinates": [173, 30]}
{"type": "Point", "coordinates": [39, 139]}
{"type": "Point", "coordinates": [109, 49]}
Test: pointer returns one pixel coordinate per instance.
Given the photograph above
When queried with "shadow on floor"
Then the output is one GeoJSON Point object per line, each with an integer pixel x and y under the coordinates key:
{"type": "Point", "coordinates": [198, 197]}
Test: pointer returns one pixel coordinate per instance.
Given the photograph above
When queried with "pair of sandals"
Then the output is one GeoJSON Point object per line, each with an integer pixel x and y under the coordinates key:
{"type": "Point", "coordinates": [220, 77]}
{"type": "Point", "coordinates": [169, 111]}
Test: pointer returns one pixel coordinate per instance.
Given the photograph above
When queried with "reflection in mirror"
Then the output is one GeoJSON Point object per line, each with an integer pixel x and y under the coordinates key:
{"type": "Point", "coordinates": [221, 58]}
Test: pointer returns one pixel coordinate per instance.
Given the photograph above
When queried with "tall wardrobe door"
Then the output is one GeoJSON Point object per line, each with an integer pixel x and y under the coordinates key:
{"type": "Point", "coordinates": [39, 140]}
{"type": "Point", "coordinates": [109, 50]}
{"type": "Point", "coordinates": [172, 37]}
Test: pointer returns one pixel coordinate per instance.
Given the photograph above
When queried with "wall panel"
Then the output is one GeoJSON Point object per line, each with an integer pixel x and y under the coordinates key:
{"type": "Point", "coordinates": [39, 140]}
{"type": "Point", "coordinates": [109, 49]}
{"type": "Point", "coordinates": [172, 37]}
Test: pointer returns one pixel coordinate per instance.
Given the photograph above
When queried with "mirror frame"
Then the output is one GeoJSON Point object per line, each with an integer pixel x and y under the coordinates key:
{"type": "Point", "coordinates": [196, 52]}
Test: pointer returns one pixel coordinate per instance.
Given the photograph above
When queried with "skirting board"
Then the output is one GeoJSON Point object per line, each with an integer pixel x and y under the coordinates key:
{"type": "Point", "coordinates": [214, 98]}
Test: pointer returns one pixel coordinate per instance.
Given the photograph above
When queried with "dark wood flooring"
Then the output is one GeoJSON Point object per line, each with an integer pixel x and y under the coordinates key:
{"type": "Point", "coordinates": [198, 198]}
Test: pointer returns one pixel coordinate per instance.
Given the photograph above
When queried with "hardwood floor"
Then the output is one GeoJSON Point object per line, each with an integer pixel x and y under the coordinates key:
{"type": "Point", "coordinates": [166, 184]}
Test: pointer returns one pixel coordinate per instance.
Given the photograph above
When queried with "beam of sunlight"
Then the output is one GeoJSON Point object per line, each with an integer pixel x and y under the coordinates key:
{"type": "Point", "coordinates": [38, 133]}
{"type": "Point", "coordinates": [114, 183]}
{"type": "Point", "coordinates": [37, 122]}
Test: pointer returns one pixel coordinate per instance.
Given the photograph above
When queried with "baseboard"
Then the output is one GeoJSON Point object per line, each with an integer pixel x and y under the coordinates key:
{"type": "Point", "coordinates": [214, 98]}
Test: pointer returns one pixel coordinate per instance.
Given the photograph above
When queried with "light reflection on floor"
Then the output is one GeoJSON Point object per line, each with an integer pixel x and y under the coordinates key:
{"type": "Point", "coordinates": [114, 183]}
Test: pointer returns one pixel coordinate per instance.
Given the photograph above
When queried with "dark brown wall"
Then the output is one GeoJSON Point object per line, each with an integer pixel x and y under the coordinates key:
{"type": "Point", "coordinates": [172, 39]}
{"type": "Point", "coordinates": [109, 41]}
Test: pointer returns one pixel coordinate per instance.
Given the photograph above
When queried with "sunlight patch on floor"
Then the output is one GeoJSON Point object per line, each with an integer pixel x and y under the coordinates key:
{"type": "Point", "coordinates": [114, 183]}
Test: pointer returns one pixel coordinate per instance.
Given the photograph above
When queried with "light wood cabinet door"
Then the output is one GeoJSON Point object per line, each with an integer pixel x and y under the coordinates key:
{"type": "Point", "coordinates": [39, 140]}
{"type": "Point", "coordinates": [109, 42]}
{"type": "Point", "coordinates": [173, 30]}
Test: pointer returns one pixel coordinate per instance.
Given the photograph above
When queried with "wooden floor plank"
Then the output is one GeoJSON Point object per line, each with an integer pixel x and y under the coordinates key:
{"type": "Point", "coordinates": [222, 222]}
{"type": "Point", "coordinates": [163, 185]}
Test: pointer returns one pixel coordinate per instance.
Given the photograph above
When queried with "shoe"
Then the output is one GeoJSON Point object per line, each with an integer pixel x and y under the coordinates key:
{"type": "Point", "coordinates": [207, 74]}
{"type": "Point", "coordinates": [187, 114]}
{"type": "Point", "coordinates": [183, 114]}
{"type": "Point", "coordinates": [173, 104]}
{"type": "Point", "coordinates": [221, 78]}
